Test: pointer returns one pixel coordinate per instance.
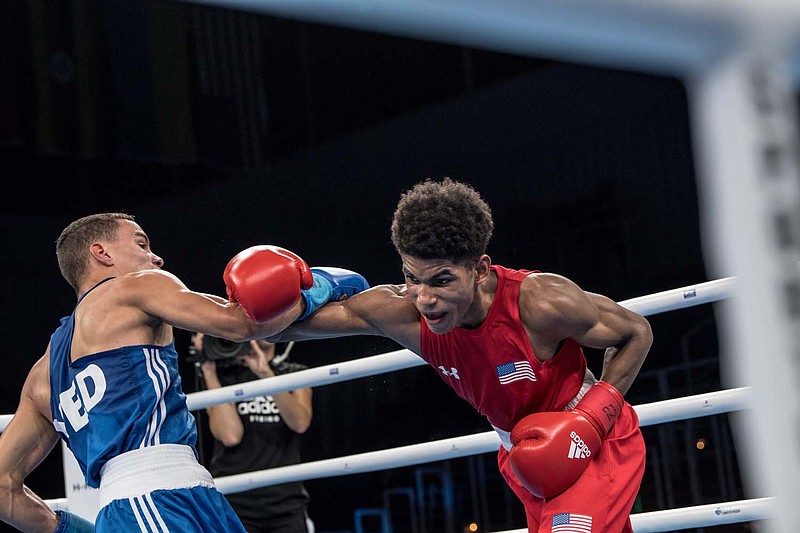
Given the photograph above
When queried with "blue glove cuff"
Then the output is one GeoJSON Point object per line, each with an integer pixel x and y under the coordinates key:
{"type": "Point", "coordinates": [331, 284]}
{"type": "Point", "coordinates": [72, 523]}
{"type": "Point", "coordinates": [318, 295]}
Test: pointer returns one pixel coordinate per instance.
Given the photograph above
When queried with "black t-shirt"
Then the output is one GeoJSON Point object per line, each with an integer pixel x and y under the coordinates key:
{"type": "Point", "coordinates": [267, 443]}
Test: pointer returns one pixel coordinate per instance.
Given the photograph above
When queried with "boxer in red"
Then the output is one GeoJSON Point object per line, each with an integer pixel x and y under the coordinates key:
{"type": "Point", "coordinates": [510, 343]}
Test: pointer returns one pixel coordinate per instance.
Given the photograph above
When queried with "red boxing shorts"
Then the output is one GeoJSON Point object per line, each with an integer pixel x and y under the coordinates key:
{"type": "Point", "coordinates": [602, 498]}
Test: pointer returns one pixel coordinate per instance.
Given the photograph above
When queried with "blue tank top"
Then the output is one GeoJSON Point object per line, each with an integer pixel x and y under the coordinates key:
{"type": "Point", "coordinates": [115, 401]}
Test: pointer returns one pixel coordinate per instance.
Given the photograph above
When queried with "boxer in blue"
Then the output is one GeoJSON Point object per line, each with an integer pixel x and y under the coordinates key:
{"type": "Point", "coordinates": [108, 382]}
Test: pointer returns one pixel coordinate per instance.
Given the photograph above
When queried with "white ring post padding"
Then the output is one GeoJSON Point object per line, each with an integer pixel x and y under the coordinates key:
{"type": "Point", "coordinates": [712, 403]}
{"type": "Point", "coordinates": [715, 514]}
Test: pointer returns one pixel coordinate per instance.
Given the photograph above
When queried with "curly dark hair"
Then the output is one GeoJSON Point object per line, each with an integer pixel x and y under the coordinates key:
{"type": "Point", "coordinates": [443, 219]}
{"type": "Point", "coordinates": [72, 246]}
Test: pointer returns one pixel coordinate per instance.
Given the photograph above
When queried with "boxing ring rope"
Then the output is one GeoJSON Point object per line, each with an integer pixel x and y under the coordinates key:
{"type": "Point", "coordinates": [707, 404]}
{"type": "Point", "coordinates": [669, 300]}
{"type": "Point", "coordinates": [740, 63]}
{"type": "Point", "coordinates": [714, 403]}
{"type": "Point", "coordinates": [719, 402]}
{"type": "Point", "coordinates": [677, 43]}
{"type": "Point", "coordinates": [699, 405]}
{"type": "Point", "coordinates": [660, 302]}
{"type": "Point", "coordinates": [696, 406]}
{"type": "Point", "coordinates": [699, 516]}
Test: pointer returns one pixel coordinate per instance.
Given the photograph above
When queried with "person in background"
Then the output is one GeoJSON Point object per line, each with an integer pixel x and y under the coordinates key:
{"type": "Point", "coordinates": [258, 433]}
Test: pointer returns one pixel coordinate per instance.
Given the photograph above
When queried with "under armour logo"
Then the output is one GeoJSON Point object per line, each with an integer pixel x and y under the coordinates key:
{"type": "Point", "coordinates": [453, 372]}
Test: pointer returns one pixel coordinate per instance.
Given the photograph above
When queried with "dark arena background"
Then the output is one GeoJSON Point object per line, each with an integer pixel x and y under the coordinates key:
{"type": "Point", "coordinates": [221, 129]}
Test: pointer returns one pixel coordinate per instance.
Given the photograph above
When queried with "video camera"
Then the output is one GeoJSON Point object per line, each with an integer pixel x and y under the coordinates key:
{"type": "Point", "coordinates": [226, 353]}
{"type": "Point", "coordinates": [223, 351]}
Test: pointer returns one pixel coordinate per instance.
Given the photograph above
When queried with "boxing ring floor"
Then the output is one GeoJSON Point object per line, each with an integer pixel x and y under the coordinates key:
{"type": "Point", "coordinates": [81, 498]}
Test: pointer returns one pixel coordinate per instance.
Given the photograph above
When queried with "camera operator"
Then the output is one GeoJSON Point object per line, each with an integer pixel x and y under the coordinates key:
{"type": "Point", "coordinates": [257, 434]}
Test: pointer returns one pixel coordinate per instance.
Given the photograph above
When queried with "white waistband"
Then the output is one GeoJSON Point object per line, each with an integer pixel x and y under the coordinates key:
{"type": "Point", "coordinates": [505, 437]}
{"type": "Point", "coordinates": [588, 381]}
{"type": "Point", "coordinates": [162, 467]}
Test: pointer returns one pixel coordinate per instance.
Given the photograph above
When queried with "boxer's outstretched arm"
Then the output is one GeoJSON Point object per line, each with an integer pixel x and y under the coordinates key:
{"type": "Point", "coordinates": [383, 310]}
{"type": "Point", "coordinates": [163, 296]}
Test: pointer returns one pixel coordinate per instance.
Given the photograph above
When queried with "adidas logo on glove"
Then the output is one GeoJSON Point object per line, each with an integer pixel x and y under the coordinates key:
{"type": "Point", "coordinates": [577, 448]}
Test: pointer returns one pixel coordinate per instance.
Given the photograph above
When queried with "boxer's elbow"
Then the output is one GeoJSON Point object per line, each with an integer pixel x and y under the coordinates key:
{"type": "Point", "coordinates": [643, 333]}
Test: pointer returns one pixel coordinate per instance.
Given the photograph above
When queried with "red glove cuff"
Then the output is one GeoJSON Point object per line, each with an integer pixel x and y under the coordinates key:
{"type": "Point", "coordinates": [306, 277]}
{"type": "Point", "coordinates": [601, 405]}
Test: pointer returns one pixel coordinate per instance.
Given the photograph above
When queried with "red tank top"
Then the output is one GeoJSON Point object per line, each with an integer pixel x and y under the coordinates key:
{"type": "Point", "coordinates": [494, 368]}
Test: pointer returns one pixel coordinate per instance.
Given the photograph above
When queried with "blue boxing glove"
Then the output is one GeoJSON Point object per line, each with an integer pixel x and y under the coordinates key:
{"type": "Point", "coordinates": [72, 523]}
{"type": "Point", "coordinates": [331, 284]}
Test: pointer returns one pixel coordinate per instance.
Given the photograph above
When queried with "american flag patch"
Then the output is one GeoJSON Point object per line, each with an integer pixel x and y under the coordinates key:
{"type": "Point", "coordinates": [514, 371]}
{"type": "Point", "coordinates": [571, 523]}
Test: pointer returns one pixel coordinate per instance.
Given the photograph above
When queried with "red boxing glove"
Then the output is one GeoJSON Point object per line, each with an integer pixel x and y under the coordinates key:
{"type": "Point", "coordinates": [266, 281]}
{"type": "Point", "coordinates": [551, 450]}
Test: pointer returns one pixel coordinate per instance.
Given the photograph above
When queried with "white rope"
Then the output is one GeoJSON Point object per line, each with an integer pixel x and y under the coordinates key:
{"type": "Point", "coordinates": [322, 375]}
{"type": "Point", "coordinates": [715, 514]}
{"type": "Point", "coordinates": [58, 504]}
{"type": "Point", "coordinates": [368, 366]}
{"type": "Point", "coordinates": [4, 420]}
{"type": "Point", "coordinates": [668, 520]}
{"type": "Point", "coordinates": [365, 462]}
{"type": "Point", "coordinates": [675, 37]}
{"type": "Point", "coordinates": [669, 300]}
{"type": "Point", "coordinates": [654, 413]}
{"type": "Point", "coordinates": [681, 298]}
{"type": "Point", "coordinates": [703, 515]}
{"type": "Point", "coordinates": [712, 403]}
